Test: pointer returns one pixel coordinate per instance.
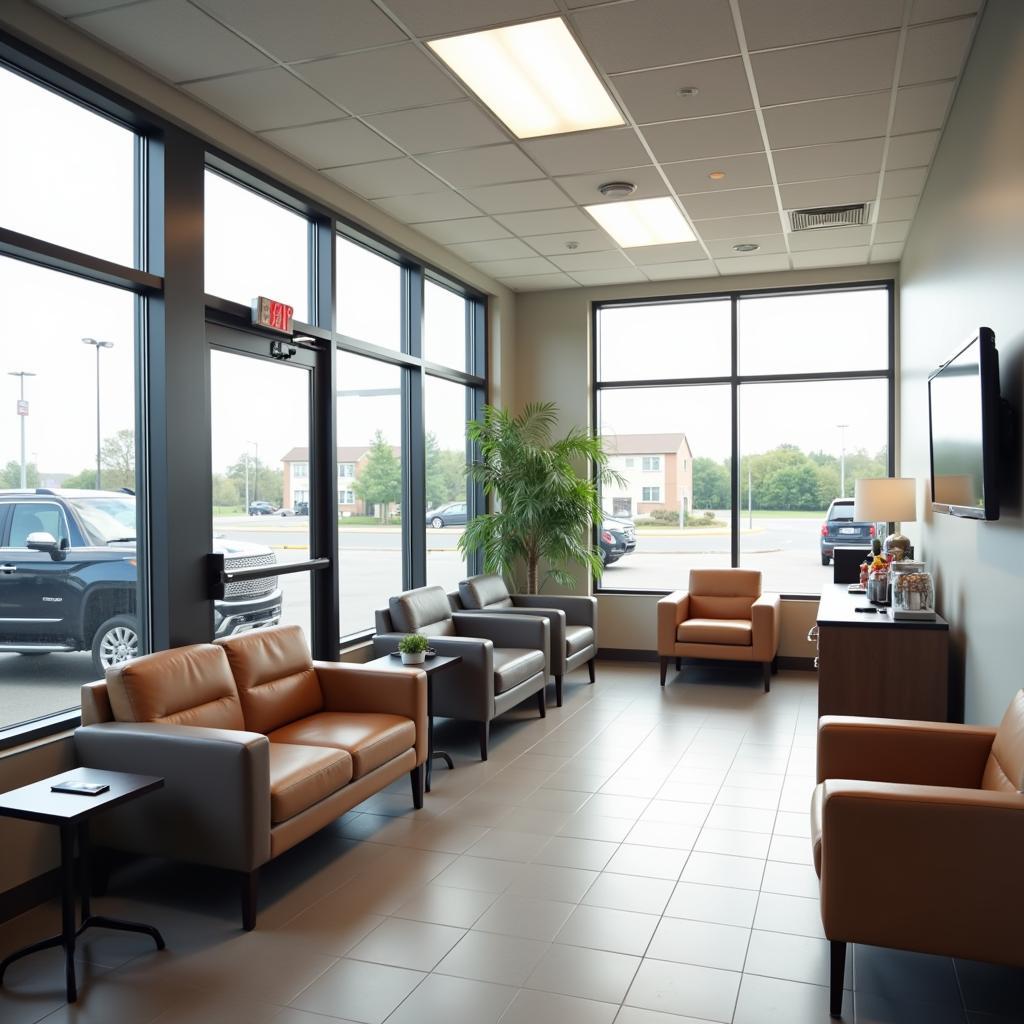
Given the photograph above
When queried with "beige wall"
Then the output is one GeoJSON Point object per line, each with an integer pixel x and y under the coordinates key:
{"type": "Point", "coordinates": [964, 268]}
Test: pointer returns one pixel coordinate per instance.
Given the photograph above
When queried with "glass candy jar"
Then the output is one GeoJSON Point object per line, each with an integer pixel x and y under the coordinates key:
{"type": "Point", "coordinates": [913, 591]}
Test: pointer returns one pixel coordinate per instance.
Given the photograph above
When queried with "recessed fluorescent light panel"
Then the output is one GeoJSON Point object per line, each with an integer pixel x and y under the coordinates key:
{"type": "Point", "coordinates": [642, 222]}
{"type": "Point", "coordinates": [533, 76]}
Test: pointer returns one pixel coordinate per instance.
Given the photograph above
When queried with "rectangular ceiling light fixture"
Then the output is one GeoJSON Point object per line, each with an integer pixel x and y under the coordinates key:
{"type": "Point", "coordinates": [639, 222]}
{"type": "Point", "coordinates": [533, 76]}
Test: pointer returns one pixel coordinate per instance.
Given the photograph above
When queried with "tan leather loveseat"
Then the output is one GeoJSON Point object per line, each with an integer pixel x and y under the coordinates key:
{"type": "Point", "coordinates": [259, 745]}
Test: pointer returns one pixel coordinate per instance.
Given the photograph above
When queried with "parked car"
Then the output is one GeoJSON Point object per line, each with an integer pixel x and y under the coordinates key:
{"type": "Point", "coordinates": [617, 537]}
{"type": "Point", "coordinates": [302, 508]}
{"type": "Point", "coordinates": [452, 514]}
{"type": "Point", "coordinates": [840, 528]}
{"type": "Point", "coordinates": [261, 508]}
{"type": "Point", "coordinates": [68, 576]}
{"type": "Point", "coordinates": [285, 512]}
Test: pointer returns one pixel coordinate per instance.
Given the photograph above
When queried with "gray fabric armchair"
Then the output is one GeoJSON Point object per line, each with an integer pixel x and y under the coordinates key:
{"type": "Point", "coordinates": [572, 621]}
{"type": "Point", "coordinates": [504, 657]}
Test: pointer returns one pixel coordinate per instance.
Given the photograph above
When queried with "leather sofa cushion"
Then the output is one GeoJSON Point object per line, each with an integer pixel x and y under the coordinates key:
{"type": "Point", "coordinates": [514, 665]}
{"type": "Point", "coordinates": [723, 593]}
{"type": "Point", "coordinates": [817, 813]}
{"type": "Point", "coordinates": [577, 638]}
{"type": "Point", "coordinates": [415, 611]}
{"type": "Point", "coordinates": [302, 776]}
{"type": "Point", "coordinates": [277, 683]}
{"type": "Point", "coordinates": [486, 591]}
{"type": "Point", "coordinates": [732, 632]}
{"type": "Point", "coordinates": [1005, 768]}
{"type": "Point", "coordinates": [183, 686]}
{"type": "Point", "coordinates": [371, 739]}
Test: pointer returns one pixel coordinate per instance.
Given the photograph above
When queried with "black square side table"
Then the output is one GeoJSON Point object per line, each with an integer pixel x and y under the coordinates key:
{"type": "Point", "coordinates": [72, 813]}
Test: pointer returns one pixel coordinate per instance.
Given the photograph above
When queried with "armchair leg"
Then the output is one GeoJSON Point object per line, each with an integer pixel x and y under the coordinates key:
{"type": "Point", "coordinates": [591, 669]}
{"type": "Point", "coordinates": [250, 880]}
{"type": "Point", "coordinates": [679, 664]}
{"type": "Point", "coordinates": [558, 690]}
{"type": "Point", "coordinates": [485, 735]}
{"type": "Point", "coordinates": [766, 671]}
{"type": "Point", "coordinates": [836, 975]}
{"type": "Point", "coordinates": [775, 665]}
{"type": "Point", "coordinates": [664, 670]}
{"type": "Point", "coordinates": [542, 703]}
{"type": "Point", "coordinates": [418, 779]}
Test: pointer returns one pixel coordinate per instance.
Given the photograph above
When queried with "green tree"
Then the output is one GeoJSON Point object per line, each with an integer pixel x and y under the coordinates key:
{"type": "Point", "coordinates": [792, 486]}
{"type": "Point", "coordinates": [10, 475]}
{"type": "Point", "coordinates": [225, 491]}
{"type": "Point", "coordinates": [117, 460]}
{"type": "Point", "coordinates": [265, 484]}
{"type": "Point", "coordinates": [86, 480]}
{"type": "Point", "coordinates": [379, 481]}
{"type": "Point", "coordinates": [710, 484]}
{"type": "Point", "coordinates": [445, 472]}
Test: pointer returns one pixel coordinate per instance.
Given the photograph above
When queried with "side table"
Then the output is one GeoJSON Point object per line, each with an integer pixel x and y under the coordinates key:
{"type": "Point", "coordinates": [72, 814]}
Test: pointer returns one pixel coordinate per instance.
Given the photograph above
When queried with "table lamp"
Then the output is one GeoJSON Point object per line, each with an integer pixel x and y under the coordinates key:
{"type": "Point", "coordinates": [891, 500]}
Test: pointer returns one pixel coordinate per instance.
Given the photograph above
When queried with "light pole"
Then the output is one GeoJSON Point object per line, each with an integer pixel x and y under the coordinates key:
{"type": "Point", "coordinates": [842, 458]}
{"type": "Point", "coordinates": [97, 344]}
{"type": "Point", "coordinates": [23, 414]}
{"type": "Point", "coordinates": [256, 475]}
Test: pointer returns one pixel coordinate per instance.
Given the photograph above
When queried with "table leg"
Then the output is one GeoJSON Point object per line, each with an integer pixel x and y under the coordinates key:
{"type": "Point", "coordinates": [68, 909]}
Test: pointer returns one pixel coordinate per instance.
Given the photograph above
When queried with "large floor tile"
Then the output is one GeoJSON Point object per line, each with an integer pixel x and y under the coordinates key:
{"type": "Point", "coordinates": [988, 988]}
{"type": "Point", "coordinates": [358, 991]}
{"type": "Point", "coordinates": [671, 835]}
{"type": "Point", "coordinates": [733, 842]}
{"type": "Point", "coordinates": [629, 892]}
{"type": "Point", "coordinates": [689, 991]}
{"type": "Point", "coordinates": [618, 931]}
{"type": "Point", "coordinates": [772, 1001]}
{"type": "Point", "coordinates": [796, 915]}
{"type": "Point", "coordinates": [583, 825]}
{"type": "Point", "coordinates": [790, 879]}
{"type": "Point", "coordinates": [486, 956]}
{"type": "Point", "coordinates": [586, 973]}
{"type": "Point", "coordinates": [700, 943]}
{"type": "Point", "coordinates": [534, 1007]}
{"type": "Point", "coordinates": [441, 904]}
{"type": "Point", "coordinates": [445, 1000]}
{"type": "Point", "coordinates": [402, 943]}
{"type": "Point", "coordinates": [648, 861]}
{"type": "Point", "coordinates": [552, 882]}
{"type": "Point", "coordinates": [525, 918]}
{"type": "Point", "coordinates": [480, 873]}
{"type": "Point", "coordinates": [791, 958]}
{"type": "Point", "coordinates": [569, 852]}
{"type": "Point", "coordinates": [502, 844]}
{"type": "Point", "coordinates": [714, 903]}
{"type": "Point", "coordinates": [718, 869]}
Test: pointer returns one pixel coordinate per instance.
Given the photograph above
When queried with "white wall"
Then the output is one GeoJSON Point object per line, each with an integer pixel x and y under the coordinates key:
{"type": "Point", "coordinates": [963, 267]}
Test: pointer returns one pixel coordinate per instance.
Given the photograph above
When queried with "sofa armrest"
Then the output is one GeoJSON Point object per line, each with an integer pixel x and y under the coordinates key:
{"type": "Point", "coordinates": [579, 610]}
{"type": "Point", "coordinates": [892, 750]}
{"type": "Point", "coordinates": [399, 690]}
{"type": "Point", "coordinates": [531, 631]}
{"type": "Point", "coordinates": [929, 868]}
{"type": "Point", "coordinates": [765, 622]}
{"type": "Point", "coordinates": [214, 807]}
{"type": "Point", "coordinates": [672, 609]}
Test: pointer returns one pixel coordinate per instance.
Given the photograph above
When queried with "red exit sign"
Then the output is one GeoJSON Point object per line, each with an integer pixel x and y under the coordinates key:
{"type": "Point", "coordinates": [273, 315]}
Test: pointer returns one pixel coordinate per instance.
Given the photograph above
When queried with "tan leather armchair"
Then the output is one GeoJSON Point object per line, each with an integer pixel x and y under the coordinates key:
{"type": "Point", "coordinates": [917, 831]}
{"type": "Point", "coordinates": [723, 615]}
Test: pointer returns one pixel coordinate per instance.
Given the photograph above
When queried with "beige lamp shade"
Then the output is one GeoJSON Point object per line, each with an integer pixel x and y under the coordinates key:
{"type": "Point", "coordinates": [886, 499]}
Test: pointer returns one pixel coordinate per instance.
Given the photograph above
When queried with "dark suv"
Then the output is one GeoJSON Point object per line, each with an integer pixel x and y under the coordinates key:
{"type": "Point", "coordinates": [840, 529]}
{"type": "Point", "coordinates": [68, 576]}
{"type": "Point", "coordinates": [617, 538]}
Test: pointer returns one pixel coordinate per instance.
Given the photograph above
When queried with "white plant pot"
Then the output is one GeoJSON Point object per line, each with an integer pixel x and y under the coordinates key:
{"type": "Point", "coordinates": [413, 659]}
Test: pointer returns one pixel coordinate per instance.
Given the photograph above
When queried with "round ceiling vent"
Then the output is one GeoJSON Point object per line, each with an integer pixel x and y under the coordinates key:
{"type": "Point", "coordinates": [746, 247]}
{"type": "Point", "coordinates": [617, 189]}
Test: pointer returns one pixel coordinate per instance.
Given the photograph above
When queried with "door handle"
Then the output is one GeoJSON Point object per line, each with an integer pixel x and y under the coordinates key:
{"type": "Point", "coordinates": [8, 569]}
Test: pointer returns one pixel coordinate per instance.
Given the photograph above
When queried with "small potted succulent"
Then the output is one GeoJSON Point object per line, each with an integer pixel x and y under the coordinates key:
{"type": "Point", "coordinates": [413, 648]}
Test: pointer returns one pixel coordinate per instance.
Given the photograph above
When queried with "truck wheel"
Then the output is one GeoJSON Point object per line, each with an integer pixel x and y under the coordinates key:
{"type": "Point", "coordinates": [824, 559]}
{"type": "Point", "coordinates": [115, 641]}
{"type": "Point", "coordinates": [437, 523]}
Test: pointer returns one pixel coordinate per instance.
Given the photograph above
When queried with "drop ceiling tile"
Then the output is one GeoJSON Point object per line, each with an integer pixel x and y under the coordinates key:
{"type": "Point", "coordinates": [558, 245]}
{"type": "Point", "coordinates": [538, 282]}
{"type": "Point", "coordinates": [588, 151]}
{"type": "Point", "coordinates": [909, 182]}
{"type": "Point", "coordinates": [897, 209]}
{"type": "Point", "coordinates": [496, 249]}
{"type": "Point", "coordinates": [173, 39]}
{"type": "Point", "coordinates": [753, 264]}
{"type": "Point", "coordinates": [473, 229]}
{"type": "Point", "coordinates": [430, 206]}
{"type": "Point", "coordinates": [829, 238]}
{"type": "Point", "coordinates": [735, 203]}
{"type": "Point", "coordinates": [930, 10]}
{"type": "Point", "coordinates": [860, 188]}
{"type": "Point", "coordinates": [584, 187]}
{"type": "Point", "coordinates": [429, 129]}
{"type": "Point", "coordinates": [575, 261]}
{"type": "Point", "coordinates": [835, 160]}
{"type": "Point", "coordinates": [654, 95]}
{"type": "Point", "coordinates": [332, 143]}
{"type": "Point", "coordinates": [625, 275]}
{"type": "Point", "coordinates": [734, 227]}
{"type": "Point", "coordinates": [516, 268]}
{"type": "Point", "coordinates": [785, 22]}
{"type": "Point", "coordinates": [769, 245]}
{"type": "Point", "coordinates": [675, 271]}
{"type": "Point", "coordinates": [911, 150]}
{"type": "Point", "coordinates": [390, 78]}
{"type": "Point", "coordinates": [446, 17]}
{"type": "Point", "coordinates": [653, 33]}
{"type": "Point", "coordinates": [740, 172]}
{"type": "Point", "coordinates": [724, 135]}
{"type": "Point", "coordinates": [840, 68]}
{"type": "Point", "coordinates": [518, 197]}
{"type": "Point", "coordinates": [935, 51]}
{"type": "Point", "coordinates": [921, 108]}
{"type": "Point", "coordinates": [385, 178]}
{"type": "Point", "coordinates": [673, 252]}
{"type": "Point", "coordinates": [542, 221]}
{"type": "Point", "coordinates": [264, 99]}
{"type": "Point", "coordinates": [890, 252]}
{"type": "Point", "coordinates": [835, 120]}
{"type": "Point", "coordinates": [487, 165]}
{"type": "Point", "coordinates": [830, 257]}
{"type": "Point", "coordinates": [301, 29]}
{"type": "Point", "coordinates": [892, 231]}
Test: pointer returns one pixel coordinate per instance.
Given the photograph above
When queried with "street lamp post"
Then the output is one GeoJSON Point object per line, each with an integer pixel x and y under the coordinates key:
{"type": "Point", "coordinates": [842, 458]}
{"type": "Point", "coordinates": [256, 475]}
{"type": "Point", "coordinates": [97, 344]}
{"type": "Point", "coordinates": [23, 415]}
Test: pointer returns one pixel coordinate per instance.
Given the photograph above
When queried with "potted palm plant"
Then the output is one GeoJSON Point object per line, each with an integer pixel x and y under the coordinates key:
{"type": "Point", "coordinates": [547, 507]}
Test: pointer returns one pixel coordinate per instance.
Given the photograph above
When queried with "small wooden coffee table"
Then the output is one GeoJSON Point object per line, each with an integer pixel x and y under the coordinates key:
{"type": "Point", "coordinates": [72, 813]}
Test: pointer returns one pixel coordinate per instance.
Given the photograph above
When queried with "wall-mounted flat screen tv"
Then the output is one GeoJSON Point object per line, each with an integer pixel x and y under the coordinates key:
{"type": "Point", "coordinates": [964, 417]}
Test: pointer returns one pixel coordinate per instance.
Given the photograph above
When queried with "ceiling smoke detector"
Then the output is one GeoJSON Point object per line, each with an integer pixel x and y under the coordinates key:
{"type": "Point", "coordinates": [746, 247]}
{"type": "Point", "coordinates": [830, 216]}
{"type": "Point", "coordinates": [689, 90]}
{"type": "Point", "coordinates": [572, 246]}
{"type": "Point", "coordinates": [616, 189]}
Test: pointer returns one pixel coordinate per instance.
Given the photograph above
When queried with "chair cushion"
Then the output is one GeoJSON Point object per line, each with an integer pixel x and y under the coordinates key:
{"type": "Point", "coordinates": [1005, 768]}
{"type": "Point", "coordinates": [732, 632]}
{"type": "Point", "coordinates": [723, 593]}
{"type": "Point", "coordinates": [817, 806]}
{"type": "Point", "coordinates": [577, 638]}
{"type": "Point", "coordinates": [486, 591]}
{"type": "Point", "coordinates": [276, 680]}
{"type": "Point", "coordinates": [301, 776]}
{"type": "Point", "coordinates": [189, 685]}
{"type": "Point", "coordinates": [514, 665]}
{"type": "Point", "coordinates": [424, 610]}
{"type": "Point", "coordinates": [371, 739]}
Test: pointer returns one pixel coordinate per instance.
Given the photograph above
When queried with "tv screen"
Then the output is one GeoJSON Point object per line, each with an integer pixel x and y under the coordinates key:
{"type": "Point", "coordinates": [963, 405]}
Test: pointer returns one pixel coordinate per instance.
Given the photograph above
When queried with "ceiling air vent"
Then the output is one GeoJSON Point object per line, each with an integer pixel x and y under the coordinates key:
{"type": "Point", "coordinates": [830, 216]}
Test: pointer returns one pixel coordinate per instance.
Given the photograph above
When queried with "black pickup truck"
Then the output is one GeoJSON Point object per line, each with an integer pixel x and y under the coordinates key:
{"type": "Point", "coordinates": [68, 576]}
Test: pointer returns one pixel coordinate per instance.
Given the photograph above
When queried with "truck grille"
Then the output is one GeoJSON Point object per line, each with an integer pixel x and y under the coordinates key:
{"type": "Point", "coordinates": [249, 588]}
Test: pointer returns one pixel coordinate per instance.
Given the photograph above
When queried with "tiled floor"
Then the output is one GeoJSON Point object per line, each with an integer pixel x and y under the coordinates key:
{"type": "Point", "coordinates": [639, 857]}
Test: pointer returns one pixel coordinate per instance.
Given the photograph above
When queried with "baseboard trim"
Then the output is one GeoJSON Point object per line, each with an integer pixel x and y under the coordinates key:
{"type": "Point", "coordinates": [625, 654]}
{"type": "Point", "coordinates": [29, 894]}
